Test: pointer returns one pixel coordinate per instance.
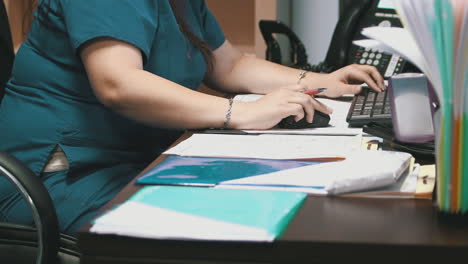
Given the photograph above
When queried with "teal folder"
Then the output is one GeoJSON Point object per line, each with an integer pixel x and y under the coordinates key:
{"type": "Point", "coordinates": [203, 171]}
{"type": "Point", "coordinates": [178, 212]}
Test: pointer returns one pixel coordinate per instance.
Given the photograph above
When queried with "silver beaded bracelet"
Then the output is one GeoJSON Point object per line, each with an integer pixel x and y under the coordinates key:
{"type": "Point", "coordinates": [228, 113]}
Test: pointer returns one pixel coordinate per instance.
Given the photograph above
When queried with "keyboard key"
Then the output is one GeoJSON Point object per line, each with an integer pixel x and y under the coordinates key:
{"type": "Point", "coordinates": [382, 116]}
{"type": "Point", "coordinates": [387, 109]}
{"type": "Point", "coordinates": [371, 99]}
{"type": "Point", "coordinates": [369, 106]}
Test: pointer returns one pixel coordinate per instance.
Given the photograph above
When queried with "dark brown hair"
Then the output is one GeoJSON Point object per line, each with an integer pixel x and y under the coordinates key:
{"type": "Point", "coordinates": [178, 7]}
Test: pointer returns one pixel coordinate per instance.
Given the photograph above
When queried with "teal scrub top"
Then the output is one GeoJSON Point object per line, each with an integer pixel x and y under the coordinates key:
{"type": "Point", "coordinates": [49, 100]}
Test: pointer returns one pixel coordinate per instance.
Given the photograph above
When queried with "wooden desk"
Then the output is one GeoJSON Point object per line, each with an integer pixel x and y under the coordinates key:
{"type": "Point", "coordinates": [326, 230]}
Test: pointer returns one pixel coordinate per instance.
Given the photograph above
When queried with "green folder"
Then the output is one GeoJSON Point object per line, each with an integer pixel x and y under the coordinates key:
{"type": "Point", "coordinates": [442, 33]}
{"type": "Point", "coordinates": [177, 212]}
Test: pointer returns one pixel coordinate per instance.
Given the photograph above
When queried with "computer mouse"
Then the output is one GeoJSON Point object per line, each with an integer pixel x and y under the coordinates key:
{"type": "Point", "coordinates": [320, 120]}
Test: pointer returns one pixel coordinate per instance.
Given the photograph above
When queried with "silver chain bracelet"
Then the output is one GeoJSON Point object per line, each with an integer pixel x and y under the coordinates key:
{"type": "Point", "coordinates": [228, 113]}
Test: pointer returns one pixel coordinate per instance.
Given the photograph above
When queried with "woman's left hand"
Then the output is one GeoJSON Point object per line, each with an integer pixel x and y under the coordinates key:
{"type": "Point", "coordinates": [347, 80]}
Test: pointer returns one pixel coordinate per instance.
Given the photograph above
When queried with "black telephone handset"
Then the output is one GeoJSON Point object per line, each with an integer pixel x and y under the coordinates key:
{"type": "Point", "coordinates": [359, 15]}
{"type": "Point", "coordinates": [345, 32]}
{"type": "Point", "coordinates": [342, 51]}
{"type": "Point", "coordinates": [298, 55]}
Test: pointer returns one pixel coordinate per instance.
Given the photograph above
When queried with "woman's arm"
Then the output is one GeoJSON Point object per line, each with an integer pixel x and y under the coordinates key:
{"type": "Point", "coordinates": [236, 73]}
{"type": "Point", "coordinates": [20, 18]}
{"type": "Point", "coordinates": [115, 70]}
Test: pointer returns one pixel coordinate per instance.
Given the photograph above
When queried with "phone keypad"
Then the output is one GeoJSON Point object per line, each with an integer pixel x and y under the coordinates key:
{"type": "Point", "coordinates": [386, 64]}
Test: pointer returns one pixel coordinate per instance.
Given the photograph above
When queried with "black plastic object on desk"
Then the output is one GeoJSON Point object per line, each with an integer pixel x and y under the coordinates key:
{"type": "Point", "coordinates": [320, 120]}
{"type": "Point", "coordinates": [369, 106]}
{"type": "Point", "coordinates": [424, 151]}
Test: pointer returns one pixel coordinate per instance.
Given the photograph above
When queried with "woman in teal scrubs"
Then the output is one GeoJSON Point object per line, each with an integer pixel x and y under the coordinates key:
{"type": "Point", "coordinates": [100, 88]}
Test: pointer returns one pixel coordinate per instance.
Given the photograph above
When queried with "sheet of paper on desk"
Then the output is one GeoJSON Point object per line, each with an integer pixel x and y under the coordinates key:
{"type": "Point", "coordinates": [164, 212]}
{"type": "Point", "coordinates": [362, 171]}
{"type": "Point", "coordinates": [404, 188]}
{"type": "Point", "coordinates": [209, 171]}
{"type": "Point", "coordinates": [338, 124]}
{"type": "Point", "coordinates": [267, 146]}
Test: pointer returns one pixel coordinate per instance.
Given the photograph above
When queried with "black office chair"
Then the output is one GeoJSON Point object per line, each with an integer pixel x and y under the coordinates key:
{"type": "Point", "coordinates": [25, 244]}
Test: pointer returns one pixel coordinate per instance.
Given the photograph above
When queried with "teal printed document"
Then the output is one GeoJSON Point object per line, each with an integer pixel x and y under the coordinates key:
{"type": "Point", "coordinates": [204, 171]}
{"type": "Point", "coordinates": [180, 212]}
{"type": "Point", "coordinates": [361, 171]}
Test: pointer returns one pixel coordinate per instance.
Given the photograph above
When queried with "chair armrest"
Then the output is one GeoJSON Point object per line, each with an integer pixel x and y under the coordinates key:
{"type": "Point", "coordinates": [36, 195]}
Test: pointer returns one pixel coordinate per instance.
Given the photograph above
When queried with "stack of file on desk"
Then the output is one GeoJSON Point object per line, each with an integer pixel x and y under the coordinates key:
{"type": "Point", "coordinates": [165, 212]}
{"type": "Point", "coordinates": [363, 171]}
{"type": "Point", "coordinates": [435, 39]}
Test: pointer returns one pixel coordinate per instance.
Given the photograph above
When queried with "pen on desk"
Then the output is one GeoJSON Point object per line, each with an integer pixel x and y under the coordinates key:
{"type": "Point", "coordinates": [315, 91]}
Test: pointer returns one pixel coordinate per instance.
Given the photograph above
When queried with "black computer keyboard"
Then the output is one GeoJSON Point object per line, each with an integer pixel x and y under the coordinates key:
{"type": "Point", "coordinates": [369, 106]}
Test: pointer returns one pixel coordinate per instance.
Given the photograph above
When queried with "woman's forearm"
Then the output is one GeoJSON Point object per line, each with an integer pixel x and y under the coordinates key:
{"type": "Point", "coordinates": [155, 101]}
{"type": "Point", "coordinates": [253, 75]}
{"type": "Point", "coordinates": [237, 73]}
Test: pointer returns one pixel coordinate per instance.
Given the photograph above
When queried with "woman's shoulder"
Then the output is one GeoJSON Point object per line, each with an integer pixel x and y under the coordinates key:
{"type": "Point", "coordinates": [107, 5]}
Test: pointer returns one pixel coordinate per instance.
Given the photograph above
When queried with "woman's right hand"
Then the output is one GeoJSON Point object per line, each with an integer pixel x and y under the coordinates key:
{"type": "Point", "coordinates": [269, 110]}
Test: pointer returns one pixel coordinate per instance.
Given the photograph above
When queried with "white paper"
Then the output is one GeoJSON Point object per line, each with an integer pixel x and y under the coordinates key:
{"type": "Point", "coordinates": [361, 171]}
{"type": "Point", "coordinates": [401, 41]}
{"type": "Point", "coordinates": [267, 146]}
{"type": "Point", "coordinates": [415, 16]}
{"type": "Point", "coordinates": [139, 220]}
{"type": "Point", "coordinates": [404, 188]}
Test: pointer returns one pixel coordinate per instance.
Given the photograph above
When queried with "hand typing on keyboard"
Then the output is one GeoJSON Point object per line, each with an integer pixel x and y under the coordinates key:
{"type": "Point", "coordinates": [369, 106]}
{"type": "Point", "coordinates": [348, 80]}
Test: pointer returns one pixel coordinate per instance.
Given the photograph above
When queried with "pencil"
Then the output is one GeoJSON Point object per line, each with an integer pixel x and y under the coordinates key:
{"type": "Point", "coordinates": [315, 91]}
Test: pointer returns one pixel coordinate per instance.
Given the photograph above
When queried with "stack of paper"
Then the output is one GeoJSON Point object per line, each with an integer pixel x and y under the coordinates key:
{"type": "Point", "coordinates": [363, 171]}
{"type": "Point", "coordinates": [165, 212]}
{"type": "Point", "coordinates": [435, 39]}
{"type": "Point", "coordinates": [268, 146]}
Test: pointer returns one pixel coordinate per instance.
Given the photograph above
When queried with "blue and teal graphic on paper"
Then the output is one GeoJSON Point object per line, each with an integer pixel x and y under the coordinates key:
{"type": "Point", "coordinates": [202, 171]}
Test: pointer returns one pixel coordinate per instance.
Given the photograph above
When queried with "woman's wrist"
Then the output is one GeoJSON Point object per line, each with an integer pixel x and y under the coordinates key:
{"type": "Point", "coordinates": [239, 116]}
{"type": "Point", "coordinates": [313, 80]}
{"type": "Point", "coordinates": [227, 118]}
{"type": "Point", "coordinates": [302, 75]}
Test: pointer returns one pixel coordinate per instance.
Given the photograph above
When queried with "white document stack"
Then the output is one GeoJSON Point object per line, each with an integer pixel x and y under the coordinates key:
{"type": "Point", "coordinates": [362, 171]}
